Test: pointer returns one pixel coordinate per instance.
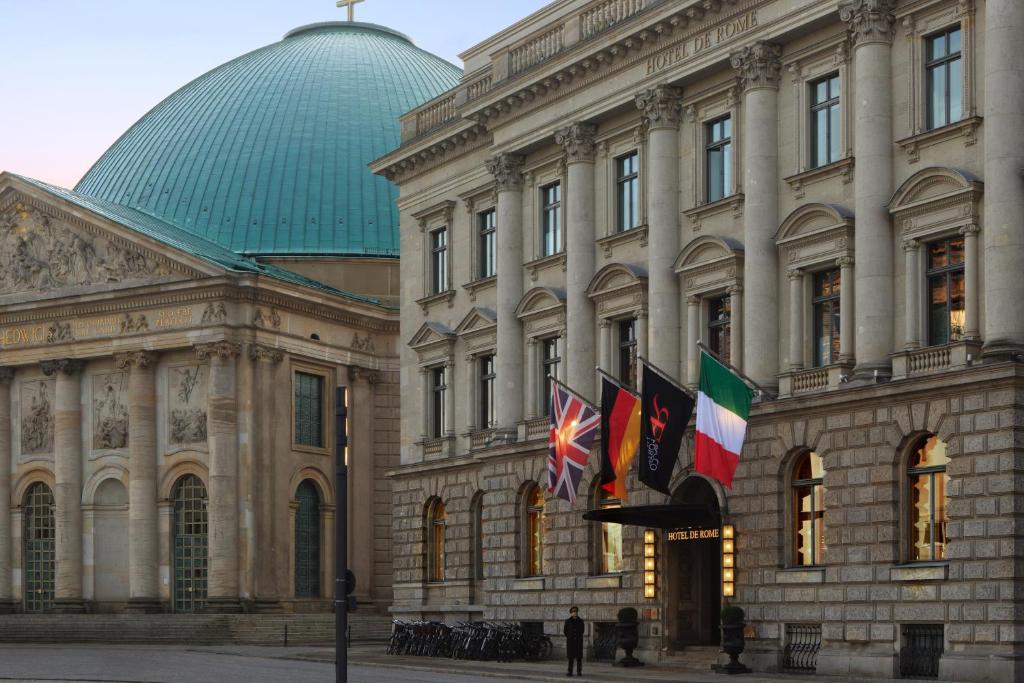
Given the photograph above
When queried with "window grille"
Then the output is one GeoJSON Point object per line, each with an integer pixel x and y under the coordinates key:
{"type": "Point", "coordinates": [190, 544]}
{"type": "Point", "coordinates": [800, 654]}
{"type": "Point", "coordinates": [307, 542]}
{"type": "Point", "coordinates": [309, 410]}
{"type": "Point", "coordinates": [604, 640]}
{"type": "Point", "coordinates": [39, 548]}
{"type": "Point", "coordinates": [921, 650]}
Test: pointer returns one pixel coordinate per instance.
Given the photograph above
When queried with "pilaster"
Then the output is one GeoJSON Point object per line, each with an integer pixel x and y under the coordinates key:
{"type": "Point", "coordinates": [6, 586]}
{"type": "Point", "coordinates": [269, 586]}
{"type": "Point", "coordinates": [912, 295]}
{"type": "Point", "coordinates": [361, 540]}
{"type": "Point", "coordinates": [796, 318]}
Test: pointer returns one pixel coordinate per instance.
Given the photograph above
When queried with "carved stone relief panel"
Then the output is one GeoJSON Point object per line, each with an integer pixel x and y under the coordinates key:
{"type": "Point", "coordinates": [110, 410]}
{"type": "Point", "coordinates": [37, 416]}
{"type": "Point", "coordinates": [186, 404]}
{"type": "Point", "coordinates": [37, 252]}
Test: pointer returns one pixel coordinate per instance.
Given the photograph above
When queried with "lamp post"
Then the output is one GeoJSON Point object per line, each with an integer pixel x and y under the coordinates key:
{"type": "Point", "coordinates": [340, 537]}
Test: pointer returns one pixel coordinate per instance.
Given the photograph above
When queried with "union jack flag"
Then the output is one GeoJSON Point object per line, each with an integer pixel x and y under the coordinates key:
{"type": "Point", "coordinates": [573, 428]}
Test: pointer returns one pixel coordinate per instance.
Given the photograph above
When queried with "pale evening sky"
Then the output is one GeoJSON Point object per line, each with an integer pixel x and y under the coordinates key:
{"type": "Point", "coordinates": [76, 73]}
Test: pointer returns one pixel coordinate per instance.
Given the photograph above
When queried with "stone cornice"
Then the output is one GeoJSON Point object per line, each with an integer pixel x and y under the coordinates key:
{"type": "Point", "coordinates": [66, 366]}
{"type": "Point", "coordinates": [405, 163]}
{"type": "Point", "coordinates": [507, 170]}
{"type": "Point", "coordinates": [870, 21]}
{"type": "Point", "coordinates": [662, 106]}
{"type": "Point", "coordinates": [758, 65]}
{"type": "Point", "coordinates": [577, 140]}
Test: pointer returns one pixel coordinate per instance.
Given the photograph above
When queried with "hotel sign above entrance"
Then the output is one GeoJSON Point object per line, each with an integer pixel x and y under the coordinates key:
{"type": "Point", "coordinates": [694, 534]}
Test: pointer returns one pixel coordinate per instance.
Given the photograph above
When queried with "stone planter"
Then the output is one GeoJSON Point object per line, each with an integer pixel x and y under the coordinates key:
{"type": "Point", "coordinates": [733, 644]}
{"type": "Point", "coordinates": [627, 637]}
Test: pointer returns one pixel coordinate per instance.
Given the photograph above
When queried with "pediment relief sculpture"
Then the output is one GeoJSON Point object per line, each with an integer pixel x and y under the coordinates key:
{"type": "Point", "coordinates": [38, 252]}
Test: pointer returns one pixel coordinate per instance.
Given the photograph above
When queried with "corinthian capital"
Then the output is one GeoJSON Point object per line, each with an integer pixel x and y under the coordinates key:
{"type": "Point", "coordinates": [220, 349]}
{"type": "Point", "coordinates": [6, 375]}
{"type": "Point", "coordinates": [137, 359]}
{"type": "Point", "coordinates": [870, 21]}
{"type": "Point", "coordinates": [758, 65]}
{"type": "Point", "coordinates": [578, 142]}
{"type": "Point", "coordinates": [67, 366]}
{"type": "Point", "coordinates": [272, 354]}
{"type": "Point", "coordinates": [662, 106]}
{"type": "Point", "coordinates": [507, 170]}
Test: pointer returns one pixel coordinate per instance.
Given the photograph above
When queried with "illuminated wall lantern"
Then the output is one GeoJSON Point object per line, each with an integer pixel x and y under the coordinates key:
{"type": "Point", "coordinates": [650, 564]}
{"type": "Point", "coordinates": [728, 560]}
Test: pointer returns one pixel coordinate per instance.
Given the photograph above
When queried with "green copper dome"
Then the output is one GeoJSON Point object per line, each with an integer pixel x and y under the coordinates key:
{"type": "Point", "coordinates": [268, 154]}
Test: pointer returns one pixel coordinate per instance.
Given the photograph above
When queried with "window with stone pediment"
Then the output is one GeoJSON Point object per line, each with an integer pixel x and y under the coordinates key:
{"type": "Point", "coordinates": [619, 290]}
{"type": "Point", "coordinates": [542, 314]}
{"type": "Point", "coordinates": [478, 332]}
{"type": "Point", "coordinates": [434, 345]}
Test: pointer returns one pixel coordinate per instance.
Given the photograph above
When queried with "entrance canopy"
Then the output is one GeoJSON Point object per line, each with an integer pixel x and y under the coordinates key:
{"type": "Point", "coordinates": [673, 516]}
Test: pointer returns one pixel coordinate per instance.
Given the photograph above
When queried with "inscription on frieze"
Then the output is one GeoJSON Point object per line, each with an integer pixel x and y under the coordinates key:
{"type": "Point", "coordinates": [37, 421]}
{"type": "Point", "coordinates": [92, 328]}
{"type": "Point", "coordinates": [701, 42]}
{"type": "Point", "coordinates": [110, 410]}
{"type": "Point", "coordinates": [186, 415]}
{"type": "Point", "coordinates": [38, 252]}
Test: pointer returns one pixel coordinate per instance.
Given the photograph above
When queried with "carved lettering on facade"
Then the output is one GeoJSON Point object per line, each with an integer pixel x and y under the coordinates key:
{"type": "Point", "coordinates": [110, 410]}
{"type": "Point", "coordinates": [38, 253]}
{"type": "Point", "coordinates": [37, 422]}
{"type": "Point", "coordinates": [703, 41]}
{"type": "Point", "coordinates": [92, 328]}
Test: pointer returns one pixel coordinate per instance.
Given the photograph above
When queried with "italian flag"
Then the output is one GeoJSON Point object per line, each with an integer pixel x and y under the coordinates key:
{"type": "Point", "coordinates": [723, 404]}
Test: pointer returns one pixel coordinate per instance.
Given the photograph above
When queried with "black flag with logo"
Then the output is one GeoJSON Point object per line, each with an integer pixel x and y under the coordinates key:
{"type": "Point", "coordinates": [665, 412]}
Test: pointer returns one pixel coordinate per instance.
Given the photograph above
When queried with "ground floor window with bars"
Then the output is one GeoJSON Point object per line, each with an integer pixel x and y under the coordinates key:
{"type": "Point", "coordinates": [604, 640]}
{"type": "Point", "coordinates": [803, 641]}
{"type": "Point", "coordinates": [920, 650]}
{"type": "Point", "coordinates": [191, 543]}
{"type": "Point", "coordinates": [38, 536]}
{"type": "Point", "coordinates": [307, 541]}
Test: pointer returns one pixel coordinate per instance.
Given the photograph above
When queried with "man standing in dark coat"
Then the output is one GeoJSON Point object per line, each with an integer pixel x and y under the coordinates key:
{"type": "Point", "coordinates": [573, 631]}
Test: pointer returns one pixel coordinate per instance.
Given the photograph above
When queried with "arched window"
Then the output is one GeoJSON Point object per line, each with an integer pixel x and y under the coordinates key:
{"type": "Point", "coordinates": [307, 541]}
{"type": "Point", "coordinates": [476, 513]}
{"type": "Point", "coordinates": [190, 544]}
{"type": "Point", "coordinates": [534, 531]}
{"type": "Point", "coordinates": [436, 521]}
{"type": "Point", "coordinates": [38, 538]}
{"type": "Point", "coordinates": [609, 541]}
{"type": "Point", "coordinates": [927, 482]}
{"type": "Point", "coordinates": [808, 495]}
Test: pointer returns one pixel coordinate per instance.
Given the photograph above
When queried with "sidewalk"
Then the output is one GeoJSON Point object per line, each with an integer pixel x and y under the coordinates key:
{"type": "Point", "coordinates": [554, 670]}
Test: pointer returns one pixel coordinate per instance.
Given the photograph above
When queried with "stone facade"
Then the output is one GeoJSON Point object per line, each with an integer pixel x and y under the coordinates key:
{"type": "Point", "coordinates": [564, 96]}
{"type": "Point", "coordinates": [130, 364]}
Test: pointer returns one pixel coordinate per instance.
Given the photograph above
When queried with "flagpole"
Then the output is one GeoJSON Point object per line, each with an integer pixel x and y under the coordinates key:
{"type": "Point", "coordinates": [616, 382]}
{"type": "Point", "coordinates": [665, 376]}
{"type": "Point", "coordinates": [746, 380]}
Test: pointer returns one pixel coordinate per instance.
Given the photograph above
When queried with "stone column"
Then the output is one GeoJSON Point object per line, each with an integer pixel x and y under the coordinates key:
{"type": "Point", "coordinates": [796, 319]}
{"type": "Point", "coordinates": [361, 536]}
{"type": "Point", "coordinates": [605, 345]}
{"type": "Point", "coordinates": [661, 107]}
{"type": "Point", "coordinates": [222, 436]}
{"type": "Point", "coordinates": [67, 448]}
{"type": "Point", "coordinates": [643, 335]}
{"type": "Point", "coordinates": [1004, 191]}
{"type": "Point", "coordinates": [507, 170]}
{"type": "Point", "coordinates": [759, 66]}
{"type": "Point", "coordinates": [972, 329]}
{"type": "Point", "coordinates": [425, 396]}
{"type": "Point", "coordinates": [532, 372]}
{"type": "Point", "coordinates": [143, 551]}
{"type": "Point", "coordinates": [269, 586]}
{"type": "Point", "coordinates": [912, 290]}
{"type": "Point", "coordinates": [846, 308]}
{"type": "Point", "coordinates": [736, 326]}
{"type": "Point", "coordinates": [872, 24]}
{"type": "Point", "coordinates": [693, 333]}
{"type": "Point", "coordinates": [578, 142]}
{"type": "Point", "coordinates": [6, 587]}
{"type": "Point", "coordinates": [471, 386]}
{"type": "Point", "coordinates": [449, 397]}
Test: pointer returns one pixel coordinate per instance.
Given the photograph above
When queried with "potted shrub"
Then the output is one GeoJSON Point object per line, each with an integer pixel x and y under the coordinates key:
{"type": "Point", "coordinates": [732, 638]}
{"type": "Point", "coordinates": [628, 635]}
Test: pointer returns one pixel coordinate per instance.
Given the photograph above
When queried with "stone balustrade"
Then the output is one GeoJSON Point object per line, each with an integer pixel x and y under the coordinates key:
{"type": "Point", "coordinates": [605, 15]}
{"type": "Point", "coordinates": [435, 113]}
{"type": "Point", "coordinates": [536, 50]}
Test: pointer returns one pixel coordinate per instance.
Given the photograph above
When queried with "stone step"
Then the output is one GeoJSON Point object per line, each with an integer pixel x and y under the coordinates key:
{"type": "Point", "coordinates": [693, 658]}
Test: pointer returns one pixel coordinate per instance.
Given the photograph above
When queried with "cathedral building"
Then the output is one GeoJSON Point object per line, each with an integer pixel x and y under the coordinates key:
{"type": "Point", "coordinates": [827, 194]}
{"type": "Point", "coordinates": [173, 328]}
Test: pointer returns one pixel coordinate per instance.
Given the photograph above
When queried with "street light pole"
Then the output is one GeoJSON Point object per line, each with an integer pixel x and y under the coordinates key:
{"type": "Point", "coordinates": [340, 538]}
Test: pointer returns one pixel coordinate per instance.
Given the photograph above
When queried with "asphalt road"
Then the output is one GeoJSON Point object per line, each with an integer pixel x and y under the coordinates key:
{"type": "Point", "coordinates": [178, 664]}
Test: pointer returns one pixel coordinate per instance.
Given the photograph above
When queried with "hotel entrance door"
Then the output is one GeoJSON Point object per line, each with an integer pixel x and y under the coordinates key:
{"type": "Point", "coordinates": [694, 574]}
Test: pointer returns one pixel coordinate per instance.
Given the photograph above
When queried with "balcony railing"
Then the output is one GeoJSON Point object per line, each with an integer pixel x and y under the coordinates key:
{"type": "Point", "coordinates": [435, 114]}
{"type": "Point", "coordinates": [607, 14]}
{"type": "Point", "coordinates": [810, 380]}
{"type": "Point", "coordinates": [536, 50]}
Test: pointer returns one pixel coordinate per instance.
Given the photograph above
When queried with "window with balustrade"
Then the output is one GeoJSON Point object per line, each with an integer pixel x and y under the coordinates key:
{"type": "Point", "coordinates": [825, 316]}
{"type": "Point", "coordinates": [926, 486]}
{"type": "Point", "coordinates": [627, 365]}
{"type": "Point", "coordinates": [438, 387]}
{"type": "Point", "coordinates": [719, 326]}
{"type": "Point", "coordinates": [487, 375]}
{"type": "Point", "coordinates": [551, 362]}
{"type": "Point", "coordinates": [946, 295]}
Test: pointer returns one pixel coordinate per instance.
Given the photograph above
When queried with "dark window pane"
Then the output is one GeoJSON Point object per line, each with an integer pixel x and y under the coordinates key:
{"type": "Point", "coordinates": [309, 410]}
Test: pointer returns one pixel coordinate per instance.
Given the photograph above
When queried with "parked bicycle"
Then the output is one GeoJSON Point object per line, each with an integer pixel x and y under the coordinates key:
{"type": "Point", "coordinates": [481, 640]}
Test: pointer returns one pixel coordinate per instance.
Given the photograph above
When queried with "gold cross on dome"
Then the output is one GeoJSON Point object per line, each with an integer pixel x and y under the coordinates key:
{"type": "Point", "coordinates": [350, 4]}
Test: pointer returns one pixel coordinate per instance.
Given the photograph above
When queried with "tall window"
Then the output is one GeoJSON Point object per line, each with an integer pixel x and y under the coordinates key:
{"type": "Point", "coordinates": [825, 121]}
{"type": "Point", "coordinates": [627, 352]}
{"type": "Point", "coordinates": [943, 78]}
{"type": "Point", "coordinates": [720, 326]}
{"type": "Point", "coordinates": [488, 243]}
{"type": "Point", "coordinates": [439, 261]}
{"type": "Point", "coordinates": [307, 541]}
{"type": "Point", "coordinates": [550, 362]}
{"type": "Point", "coordinates": [309, 409]}
{"type": "Point", "coordinates": [487, 374]}
{"type": "Point", "coordinates": [610, 541]}
{"type": "Point", "coordinates": [191, 544]}
{"type": "Point", "coordinates": [535, 532]}
{"type": "Point", "coordinates": [927, 481]}
{"type": "Point", "coordinates": [476, 511]}
{"type": "Point", "coordinates": [808, 510]}
{"type": "Point", "coordinates": [718, 158]}
{"type": "Point", "coordinates": [437, 403]}
{"type": "Point", "coordinates": [825, 302]}
{"type": "Point", "coordinates": [627, 197]}
{"type": "Point", "coordinates": [38, 537]}
{"type": "Point", "coordinates": [436, 522]}
{"type": "Point", "coordinates": [946, 291]}
{"type": "Point", "coordinates": [551, 218]}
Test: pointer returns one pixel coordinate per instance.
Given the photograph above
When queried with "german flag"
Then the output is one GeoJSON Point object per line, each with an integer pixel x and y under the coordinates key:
{"type": "Point", "coordinates": [620, 435]}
